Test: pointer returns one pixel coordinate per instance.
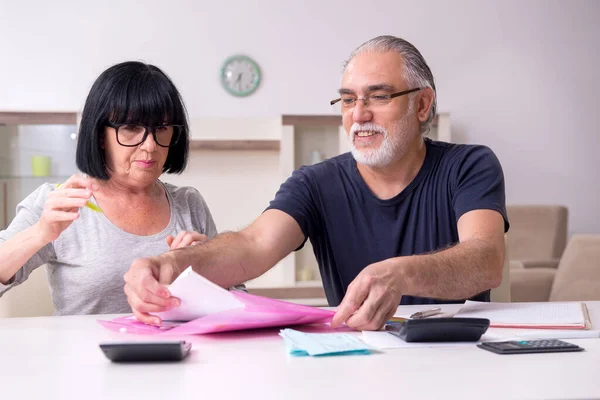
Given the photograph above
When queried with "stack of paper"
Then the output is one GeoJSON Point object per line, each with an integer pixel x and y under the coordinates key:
{"type": "Point", "coordinates": [529, 315]}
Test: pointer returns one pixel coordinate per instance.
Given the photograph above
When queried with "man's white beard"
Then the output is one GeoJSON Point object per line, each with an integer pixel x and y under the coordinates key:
{"type": "Point", "coordinates": [391, 148]}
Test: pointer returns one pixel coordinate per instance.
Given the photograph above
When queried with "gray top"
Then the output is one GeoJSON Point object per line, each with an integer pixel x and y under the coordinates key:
{"type": "Point", "coordinates": [87, 262]}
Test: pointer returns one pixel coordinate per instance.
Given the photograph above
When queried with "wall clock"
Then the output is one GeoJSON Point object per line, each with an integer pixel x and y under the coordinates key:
{"type": "Point", "coordinates": [240, 75]}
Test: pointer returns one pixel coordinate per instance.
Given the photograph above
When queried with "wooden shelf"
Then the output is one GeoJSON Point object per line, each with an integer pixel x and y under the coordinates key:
{"type": "Point", "coordinates": [201, 144]}
{"type": "Point", "coordinates": [311, 120]}
{"type": "Point", "coordinates": [38, 118]}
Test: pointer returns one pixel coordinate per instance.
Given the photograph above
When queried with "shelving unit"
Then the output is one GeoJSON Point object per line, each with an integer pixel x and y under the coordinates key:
{"type": "Point", "coordinates": [23, 135]}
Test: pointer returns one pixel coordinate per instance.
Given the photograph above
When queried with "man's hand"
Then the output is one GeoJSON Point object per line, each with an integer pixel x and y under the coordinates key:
{"type": "Point", "coordinates": [184, 239]}
{"type": "Point", "coordinates": [372, 297]}
{"type": "Point", "coordinates": [145, 287]}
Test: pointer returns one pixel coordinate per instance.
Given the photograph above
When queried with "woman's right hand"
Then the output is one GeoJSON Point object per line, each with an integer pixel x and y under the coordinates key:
{"type": "Point", "coordinates": [185, 239]}
{"type": "Point", "coordinates": [62, 206]}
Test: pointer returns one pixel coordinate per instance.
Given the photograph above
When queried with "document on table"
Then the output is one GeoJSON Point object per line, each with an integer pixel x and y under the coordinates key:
{"type": "Point", "coordinates": [551, 315]}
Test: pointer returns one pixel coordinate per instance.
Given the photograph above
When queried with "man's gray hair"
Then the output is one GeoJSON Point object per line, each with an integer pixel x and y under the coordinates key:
{"type": "Point", "coordinates": [416, 71]}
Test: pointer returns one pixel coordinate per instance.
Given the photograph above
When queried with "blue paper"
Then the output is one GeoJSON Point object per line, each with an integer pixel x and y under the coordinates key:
{"type": "Point", "coordinates": [322, 344]}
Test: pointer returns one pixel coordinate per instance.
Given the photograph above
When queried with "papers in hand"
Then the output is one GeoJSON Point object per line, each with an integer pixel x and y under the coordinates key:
{"type": "Point", "coordinates": [199, 297]}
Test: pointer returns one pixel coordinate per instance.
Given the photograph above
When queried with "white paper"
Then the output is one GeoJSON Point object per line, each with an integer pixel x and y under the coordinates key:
{"type": "Point", "coordinates": [525, 314]}
{"type": "Point", "coordinates": [199, 297]}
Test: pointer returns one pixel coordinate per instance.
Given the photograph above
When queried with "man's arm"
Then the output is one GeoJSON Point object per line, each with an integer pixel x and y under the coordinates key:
{"type": "Point", "coordinates": [236, 257]}
{"type": "Point", "coordinates": [227, 260]}
{"type": "Point", "coordinates": [470, 267]}
{"type": "Point", "coordinates": [462, 271]}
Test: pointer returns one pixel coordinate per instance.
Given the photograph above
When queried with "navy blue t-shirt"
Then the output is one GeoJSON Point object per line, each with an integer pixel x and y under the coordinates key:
{"type": "Point", "coordinates": [350, 228]}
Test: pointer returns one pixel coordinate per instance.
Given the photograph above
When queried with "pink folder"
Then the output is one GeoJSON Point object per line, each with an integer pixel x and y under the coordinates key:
{"type": "Point", "coordinates": [258, 312]}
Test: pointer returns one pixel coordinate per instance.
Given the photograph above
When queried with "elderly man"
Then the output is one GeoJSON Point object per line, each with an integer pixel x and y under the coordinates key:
{"type": "Point", "coordinates": [399, 220]}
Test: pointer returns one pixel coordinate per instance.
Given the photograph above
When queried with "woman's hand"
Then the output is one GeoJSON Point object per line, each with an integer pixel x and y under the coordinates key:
{"type": "Point", "coordinates": [184, 239]}
{"type": "Point", "coordinates": [62, 206]}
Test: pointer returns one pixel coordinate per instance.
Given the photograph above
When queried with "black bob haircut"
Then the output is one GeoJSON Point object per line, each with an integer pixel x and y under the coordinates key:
{"type": "Point", "coordinates": [130, 92]}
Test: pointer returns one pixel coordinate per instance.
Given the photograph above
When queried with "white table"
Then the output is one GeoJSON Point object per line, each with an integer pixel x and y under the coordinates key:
{"type": "Point", "coordinates": [58, 357]}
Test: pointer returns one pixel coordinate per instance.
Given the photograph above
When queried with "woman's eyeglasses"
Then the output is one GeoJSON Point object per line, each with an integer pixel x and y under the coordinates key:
{"type": "Point", "coordinates": [131, 135]}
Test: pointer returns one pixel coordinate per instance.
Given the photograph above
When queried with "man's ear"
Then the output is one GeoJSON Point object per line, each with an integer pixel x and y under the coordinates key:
{"type": "Point", "coordinates": [425, 103]}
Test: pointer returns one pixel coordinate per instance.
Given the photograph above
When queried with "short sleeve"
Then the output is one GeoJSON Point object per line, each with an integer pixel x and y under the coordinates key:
{"type": "Point", "coordinates": [296, 198]}
{"type": "Point", "coordinates": [479, 183]}
{"type": "Point", "coordinates": [27, 214]}
{"type": "Point", "coordinates": [201, 215]}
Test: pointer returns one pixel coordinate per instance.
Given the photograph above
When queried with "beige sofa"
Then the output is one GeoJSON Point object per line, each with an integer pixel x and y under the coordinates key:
{"type": "Point", "coordinates": [576, 278]}
{"type": "Point", "coordinates": [537, 235]}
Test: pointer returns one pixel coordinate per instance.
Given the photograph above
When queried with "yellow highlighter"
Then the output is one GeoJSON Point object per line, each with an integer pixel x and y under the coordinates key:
{"type": "Point", "coordinates": [89, 204]}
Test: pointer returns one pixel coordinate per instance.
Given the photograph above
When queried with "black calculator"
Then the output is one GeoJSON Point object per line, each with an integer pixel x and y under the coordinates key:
{"type": "Point", "coordinates": [529, 346]}
{"type": "Point", "coordinates": [169, 350]}
{"type": "Point", "coordinates": [439, 329]}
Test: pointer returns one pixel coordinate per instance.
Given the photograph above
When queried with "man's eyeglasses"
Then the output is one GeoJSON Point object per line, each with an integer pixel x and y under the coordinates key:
{"type": "Point", "coordinates": [131, 135]}
{"type": "Point", "coordinates": [349, 101]}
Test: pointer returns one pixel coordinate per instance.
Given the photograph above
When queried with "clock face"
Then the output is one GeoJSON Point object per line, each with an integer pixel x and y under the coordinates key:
{"type": "Point", "coordinates": [240, 75]}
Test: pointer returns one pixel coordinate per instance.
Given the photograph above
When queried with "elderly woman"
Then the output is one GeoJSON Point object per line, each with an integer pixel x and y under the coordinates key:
{"type": "Point", "coordinates": [90, 228]}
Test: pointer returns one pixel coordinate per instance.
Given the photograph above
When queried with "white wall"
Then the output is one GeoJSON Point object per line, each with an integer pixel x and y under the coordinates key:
{"type": "Point", "coordinates": [519, 76]}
